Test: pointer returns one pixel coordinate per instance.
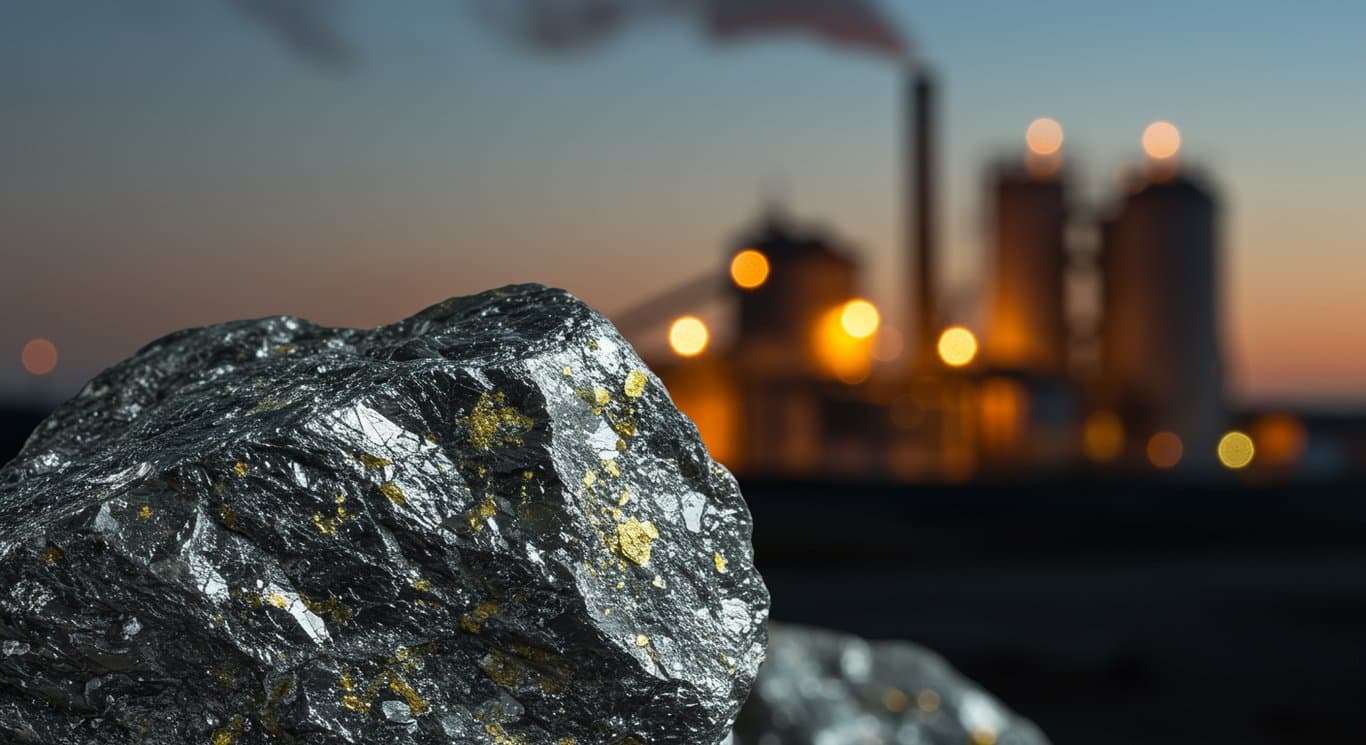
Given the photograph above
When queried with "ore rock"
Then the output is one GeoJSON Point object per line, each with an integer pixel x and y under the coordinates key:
{"type": "Point", "coordinates": [821, 686]}
{"type": "Point", "coordinates": [484, 524]}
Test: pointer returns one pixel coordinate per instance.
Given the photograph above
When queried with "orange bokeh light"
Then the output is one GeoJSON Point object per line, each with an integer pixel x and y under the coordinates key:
{"type": "Point", "coordinates": [1165, 450]}
{"type": "Point", "coordinates": [1103, 436]}
{"type": "Point", "coordinates": [749, 269]}
{"type": "Point", "coordinates": [957, 346]}
{"type": "Point", "coordinates": [688, 336]}
{"type": "Point", "coordinates": [860, 318]}
{"type": "Point", "coordinates": [1161, 140]}
{"type": "Point", "coordinates": [838, 352]}
{"type": "Point", "coordinates": [39, 356]}
{"type": "Point", "coordinates": [1281, 439]}
{"type": "Point", "coordinates": [1044, 136]}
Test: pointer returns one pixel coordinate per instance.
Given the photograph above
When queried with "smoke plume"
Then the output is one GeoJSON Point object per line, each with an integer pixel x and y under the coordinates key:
{"type": "Point", "coordinates": [564, 25]}
{"type": "Point", "coordinates": [304, 27]}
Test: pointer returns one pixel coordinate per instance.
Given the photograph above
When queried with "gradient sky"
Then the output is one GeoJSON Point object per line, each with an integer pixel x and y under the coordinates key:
{"type": "Point", "coordinates": [168, 163]}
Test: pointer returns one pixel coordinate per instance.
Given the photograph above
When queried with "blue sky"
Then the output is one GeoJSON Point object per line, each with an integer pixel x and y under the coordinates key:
{"type": "Point", "coordinates": [169, 163]}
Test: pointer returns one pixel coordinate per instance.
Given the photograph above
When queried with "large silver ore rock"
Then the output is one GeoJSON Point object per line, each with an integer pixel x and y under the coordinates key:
{"type": "Point", "coordinates": [825, 688]}
{"type": "Point", "coordinates": [484, 524]}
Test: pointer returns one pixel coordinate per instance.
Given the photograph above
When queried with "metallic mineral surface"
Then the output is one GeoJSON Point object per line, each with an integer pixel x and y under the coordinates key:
{"type": "Point", "coordinates": [487, 523]}
{"type": "Point", "coordinates": [825, 688]}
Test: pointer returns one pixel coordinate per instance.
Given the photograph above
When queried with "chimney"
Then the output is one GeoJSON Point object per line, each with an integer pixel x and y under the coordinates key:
{"type": "Point", "coordinates": [920, 213]}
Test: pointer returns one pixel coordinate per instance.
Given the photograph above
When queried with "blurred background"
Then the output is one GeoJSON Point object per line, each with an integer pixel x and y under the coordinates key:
{"type": "Point", "coordinates": [1030, 329]}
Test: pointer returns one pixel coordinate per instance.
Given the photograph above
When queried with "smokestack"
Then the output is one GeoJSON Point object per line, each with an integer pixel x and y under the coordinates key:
{"type": "Point", "coordinates": [920, 212]}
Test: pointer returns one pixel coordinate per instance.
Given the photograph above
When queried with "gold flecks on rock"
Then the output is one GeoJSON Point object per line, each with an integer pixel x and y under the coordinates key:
{"type": "Point", "coordinates": [228, 517]}
{"type": "Point", "coordinates": [492, 422]}
{"type": "Point", "coordinates": [278, 600]}
{"type": "Point", "coordinates": [658, 582]}
{"type": "Point", "coordinates": [328, 526]}
{"type": "Point", "coordinates": [590, 478]}
{"type": "Point", "coordinates": [374, 462]}
{"type": "Point", "coordinates": [526, 666]}
{"type": "Point", "coordinates": [144, 512]}
{"type": "Point", "coordinates": [480, 515]}
{"type": "Point", "coordinates": [611, 467]}
{"type": "Point", "coordinates": [341, 612]}
{"type": "Point", "coordinates": [395, 494]}
{"type": "Point", "coordinates": [53, 555]}
{"type": "Point", "coordinates": [228, 734]}
{"type": "Point", "coordinates": [635, 539]}
{"type": "Point", "coordinates": [241, 468]}
{"type": "Point", "coordinates": [474, 620]}
{"type": "Point", "coordinates": [719, 561]}
{"type": "Point", "coordinates": [600, 396]}
{"type": "Point", "coordinates": [642, 640]}
{"type": "Point", "coordinates": [635, 384]}
{"type": "Point", "coordinates": [403, 688]}
{"type": "Point", "coordinates": [391, 674]}
{"type": "Point", "coordinates": [421, 584]}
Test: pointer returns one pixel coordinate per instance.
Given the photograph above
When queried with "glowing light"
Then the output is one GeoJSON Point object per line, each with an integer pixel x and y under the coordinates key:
{"type": "Point", "coordinates": [1280, 438]}
{"type": "Point", "coordinates": [1161, 140]}
{"type": "Point", "coordinates": [1236, 450]}
{"type": "Point", "coordinates": [860, 319]}
{"type": "Point", "coordinates": [1103, 436]}
{"type": "Point", "coordinates": [838, 352]}
{"type": "Point", "coordinates": [957, 346]}
{"type": "Point", "coordinates": [749, 269]}
{"type": "Point", "coordinates": [1165, 450]}
{"type": "Point", "coordinates": [688, 336]}
{"type": "Point", "coordinates": [39, 356]}
{"type": "Point", "coordinates": [1044, 136]}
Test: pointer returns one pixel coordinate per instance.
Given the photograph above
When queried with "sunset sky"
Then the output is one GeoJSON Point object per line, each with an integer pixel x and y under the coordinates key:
{"type": "Point", "coordinates": [171, 163]}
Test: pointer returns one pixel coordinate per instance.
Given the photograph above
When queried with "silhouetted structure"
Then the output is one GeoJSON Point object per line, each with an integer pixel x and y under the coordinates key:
{"type": "Point", "coordinates": [1026, 320]}
{"type": "Point", "coordinates": [1161, 367]}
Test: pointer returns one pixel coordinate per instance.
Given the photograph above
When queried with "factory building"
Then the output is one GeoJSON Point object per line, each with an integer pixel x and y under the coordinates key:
{"type": "Point", "coordinates": [1026, 323]}
{"type": "Point", "coordinates": [1161, 368]}
{"type": "Point", "coordinates": [796, 388]}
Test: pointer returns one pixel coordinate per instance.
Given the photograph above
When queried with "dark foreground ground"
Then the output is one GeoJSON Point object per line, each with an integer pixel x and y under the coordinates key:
{"type": "Point", "coordinates": [1108, 613]}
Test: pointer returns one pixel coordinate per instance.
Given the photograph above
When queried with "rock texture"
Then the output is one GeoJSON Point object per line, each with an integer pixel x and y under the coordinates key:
{"type": "Point", "coordinates": [833, 689]}
{"type": "Point", "coordinates": [484, 524]}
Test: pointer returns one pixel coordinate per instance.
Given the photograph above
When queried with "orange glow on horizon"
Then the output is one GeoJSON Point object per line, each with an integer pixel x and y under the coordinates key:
{"type": "Point", "coordinates": [1044, 136]}
{"type": "Point", "coordinates": [749, 269]}
{"type": "Point", "coordinates": [1165, 450]}
{"type": "Point", "coordinates": [957, 346]}
{"type": "Point", "coordinates": [1161, 140]}
{"type": "Point", "coordinates": [39, 356]}
{"type": "Point", "coordinates": [688, 336]}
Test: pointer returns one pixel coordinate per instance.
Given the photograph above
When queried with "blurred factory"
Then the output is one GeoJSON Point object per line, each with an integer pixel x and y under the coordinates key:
{"type": "Point", "coordinates": [1098, 351]}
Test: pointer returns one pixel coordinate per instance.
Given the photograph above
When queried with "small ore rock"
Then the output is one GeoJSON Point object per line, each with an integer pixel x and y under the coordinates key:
{"type": "Point", "coordinates": [821, 686]}
{"type": "Point", "coordinates": [487, 523]}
